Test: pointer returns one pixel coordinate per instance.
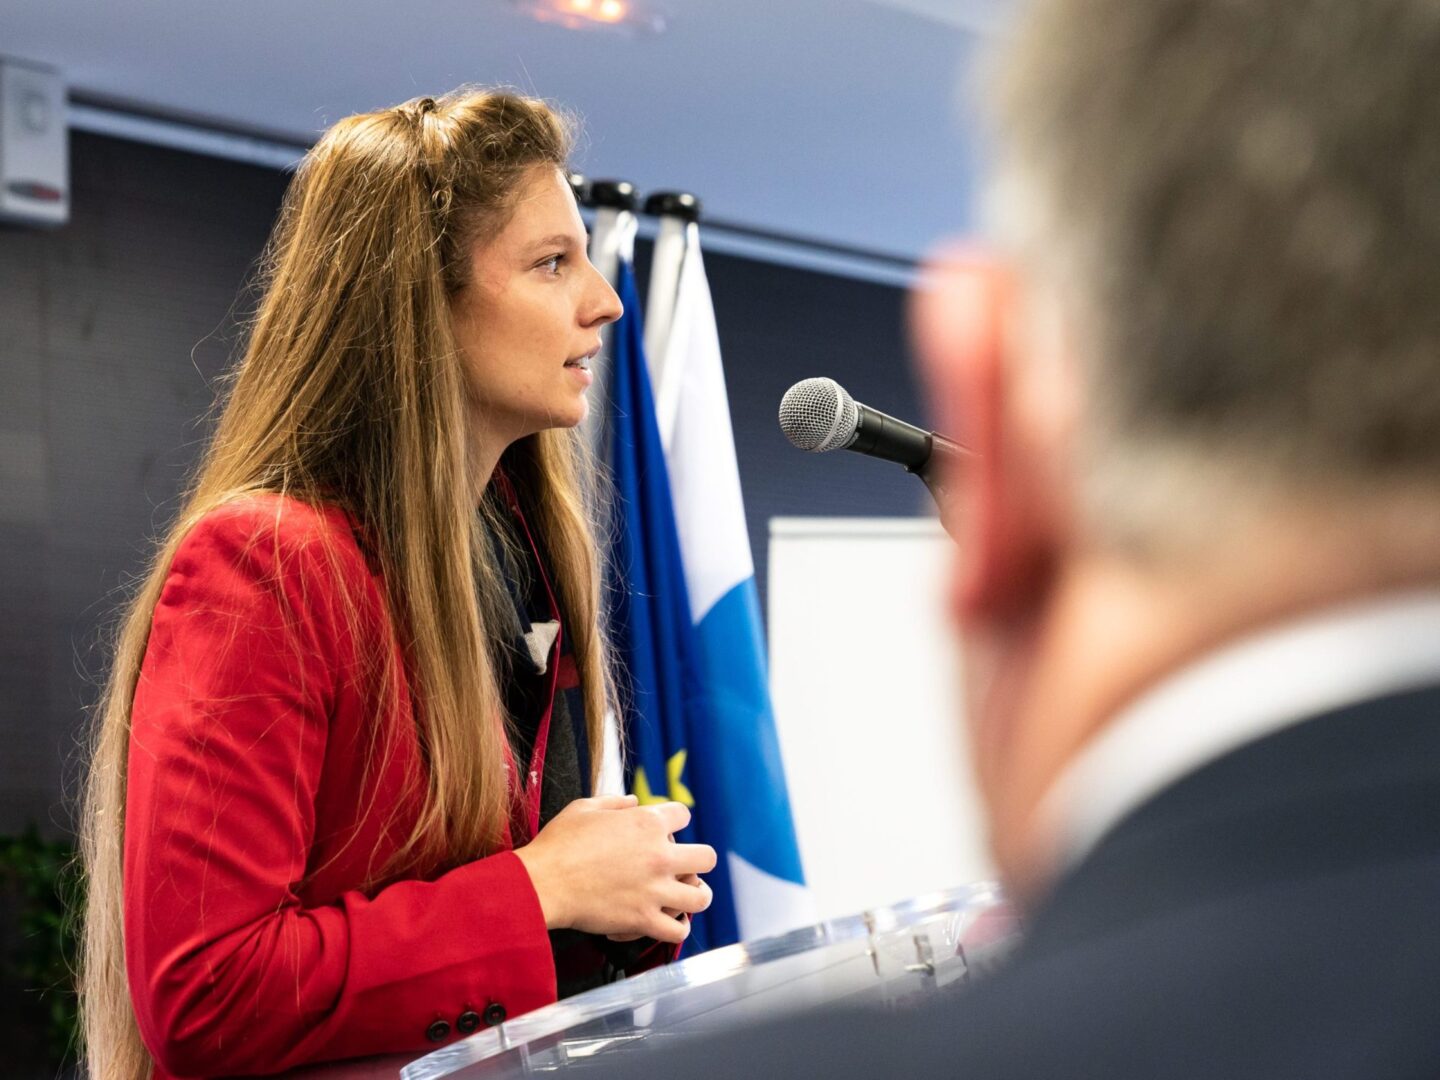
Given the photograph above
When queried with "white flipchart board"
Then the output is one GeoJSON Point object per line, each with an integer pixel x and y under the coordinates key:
{"type": "Point", "coordinates": [866, 686]}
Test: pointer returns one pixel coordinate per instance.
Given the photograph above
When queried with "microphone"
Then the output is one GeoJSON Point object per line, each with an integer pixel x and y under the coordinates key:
{"type": "Point", "coordinates": [818, 415]}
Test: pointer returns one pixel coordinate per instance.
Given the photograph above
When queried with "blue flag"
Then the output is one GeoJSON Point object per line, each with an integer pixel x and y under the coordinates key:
{"type": "Point", "coordinates": [654, 633]}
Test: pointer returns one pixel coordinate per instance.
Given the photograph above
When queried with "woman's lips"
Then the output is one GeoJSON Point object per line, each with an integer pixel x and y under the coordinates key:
{"type": "Point", "coordinates": [582, 363]}
{"type": "Point", "coordinates": [581, 366]}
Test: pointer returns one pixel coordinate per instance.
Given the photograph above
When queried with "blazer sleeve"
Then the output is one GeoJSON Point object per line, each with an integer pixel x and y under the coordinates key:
{"type": "Point", "coordinates": [229, 971]}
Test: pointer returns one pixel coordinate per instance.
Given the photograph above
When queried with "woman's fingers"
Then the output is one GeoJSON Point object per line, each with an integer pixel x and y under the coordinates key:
{"type": "Point", "coordinates": [691, 899]}
{"type": "Point", "coordinates": [662, 928]}
{"type": "Point", "coordinates": [611, 802]}
{"type": "Point", "coordinates": [692, 859]}
{"type": "Point", "coordinates": [615, 873]}
{"type": "Point", "coordinates": [673, 815]}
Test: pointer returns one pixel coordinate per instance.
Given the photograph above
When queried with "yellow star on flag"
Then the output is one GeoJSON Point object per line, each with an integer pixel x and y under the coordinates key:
{"type": "Point", "coordinates": [678, 792]}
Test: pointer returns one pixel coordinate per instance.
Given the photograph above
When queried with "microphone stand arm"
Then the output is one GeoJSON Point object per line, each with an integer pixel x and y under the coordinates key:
{"type": "Point", "coordinates": [940, 467]}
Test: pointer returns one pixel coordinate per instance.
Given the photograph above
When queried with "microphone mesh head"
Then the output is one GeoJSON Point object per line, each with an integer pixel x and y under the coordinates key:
{"type": "Point", "coordinates": [818, 415]}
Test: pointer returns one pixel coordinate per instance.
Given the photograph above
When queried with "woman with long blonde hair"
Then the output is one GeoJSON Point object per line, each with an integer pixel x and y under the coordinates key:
{"type": "Point", "coordinates": [338, 801]}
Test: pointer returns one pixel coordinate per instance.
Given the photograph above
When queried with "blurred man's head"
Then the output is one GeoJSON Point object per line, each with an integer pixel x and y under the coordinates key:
{"type": "Point", "coordinates": [1204, 387]}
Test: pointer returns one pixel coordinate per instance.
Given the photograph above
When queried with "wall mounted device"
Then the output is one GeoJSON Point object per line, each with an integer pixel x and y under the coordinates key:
{"type": "Point", "coordinates": [34, 145]}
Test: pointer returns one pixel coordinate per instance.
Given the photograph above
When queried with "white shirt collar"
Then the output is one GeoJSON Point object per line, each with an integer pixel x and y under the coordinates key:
{"type": "Point", "coordinates": [1237, 695]}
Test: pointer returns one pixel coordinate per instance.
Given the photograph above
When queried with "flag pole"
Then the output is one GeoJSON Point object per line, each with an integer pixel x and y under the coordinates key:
{"type": "Point", "coordinates": [677, 211]}
{"type": "Point", "coordinates": [612, 238]}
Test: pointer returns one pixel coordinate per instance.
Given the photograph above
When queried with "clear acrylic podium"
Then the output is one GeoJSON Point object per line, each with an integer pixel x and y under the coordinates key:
{"type": "Point", "coordinates": [878, 956]}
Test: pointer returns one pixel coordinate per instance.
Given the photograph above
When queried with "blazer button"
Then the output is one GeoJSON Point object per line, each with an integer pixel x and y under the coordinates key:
{"type": "Point", "coordinates": [437, 1031]}
{"type": "Point", "coordinates": [494, 1014]}
{"type": "Point", "coordinates": [467, 1022]}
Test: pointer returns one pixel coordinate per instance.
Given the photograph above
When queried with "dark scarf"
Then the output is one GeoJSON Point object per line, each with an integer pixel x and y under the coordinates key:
{"type": "Point", "coordinates": [582, 961]}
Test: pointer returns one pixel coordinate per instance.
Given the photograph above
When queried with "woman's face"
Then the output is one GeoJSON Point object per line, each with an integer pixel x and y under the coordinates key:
{"type": "Point", "coordinates": [528, 323]}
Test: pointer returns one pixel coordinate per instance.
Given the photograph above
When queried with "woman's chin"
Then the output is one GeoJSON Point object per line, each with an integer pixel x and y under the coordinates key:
{"type": "Point", "coordinates": [573, 415]}
{"type": "Point", "coordinates": [580, 412]}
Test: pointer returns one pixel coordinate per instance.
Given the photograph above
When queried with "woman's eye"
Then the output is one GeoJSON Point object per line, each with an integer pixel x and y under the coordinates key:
{"type": "Point", "coordinates": [552, 264]}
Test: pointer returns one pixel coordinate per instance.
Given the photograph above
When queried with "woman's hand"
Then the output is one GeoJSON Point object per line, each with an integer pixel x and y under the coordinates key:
{"type": "Point", "coordinates": [688, 879]}
{"type": "Point", "coordinates": [609, 866]}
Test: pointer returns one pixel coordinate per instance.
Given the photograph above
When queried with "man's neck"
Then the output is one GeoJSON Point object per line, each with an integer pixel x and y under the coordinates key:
{"type": "Point", "coordinates": [1288, 673]}
{"type": "Point", "coordinates": [1114, 629]}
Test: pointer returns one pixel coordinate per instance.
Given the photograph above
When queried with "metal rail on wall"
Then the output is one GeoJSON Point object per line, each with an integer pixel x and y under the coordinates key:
{"type": "Point", "coordinates": [202, 135]}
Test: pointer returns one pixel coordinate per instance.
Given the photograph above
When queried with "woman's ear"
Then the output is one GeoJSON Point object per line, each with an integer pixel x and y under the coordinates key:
{"type": "Point", "coordinates": [962, 321]}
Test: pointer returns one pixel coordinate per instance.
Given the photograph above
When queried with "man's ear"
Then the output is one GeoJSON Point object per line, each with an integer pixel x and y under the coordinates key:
{"type": "Point", "coordinates": [962, 321]}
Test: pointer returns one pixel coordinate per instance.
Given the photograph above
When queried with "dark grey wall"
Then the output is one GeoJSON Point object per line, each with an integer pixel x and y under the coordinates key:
{"type": "Point", "coordinates": [113, 329]}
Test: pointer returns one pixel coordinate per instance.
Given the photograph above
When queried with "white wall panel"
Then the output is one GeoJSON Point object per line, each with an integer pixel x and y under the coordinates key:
{"type": "Point", "coordinates": [866, 686]}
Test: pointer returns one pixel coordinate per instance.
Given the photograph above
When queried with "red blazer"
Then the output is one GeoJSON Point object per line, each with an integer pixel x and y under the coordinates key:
{"type": "Point", "coordinates": [269, 784]}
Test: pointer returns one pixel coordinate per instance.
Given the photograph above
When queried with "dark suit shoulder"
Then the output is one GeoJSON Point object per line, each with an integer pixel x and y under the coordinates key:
{"type": "Point", "coordinates": [1270, 916]}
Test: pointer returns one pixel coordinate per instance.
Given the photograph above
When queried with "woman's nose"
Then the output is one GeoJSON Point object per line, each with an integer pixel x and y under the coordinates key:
{"type": "Point", "coordinates": [605, 306]}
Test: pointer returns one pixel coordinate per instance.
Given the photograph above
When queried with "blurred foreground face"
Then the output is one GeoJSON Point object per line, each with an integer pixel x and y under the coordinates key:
{"type": "Point", "coordinates": [1202, 388]}
{"type": "Point", "coordinates": [1010, 512]}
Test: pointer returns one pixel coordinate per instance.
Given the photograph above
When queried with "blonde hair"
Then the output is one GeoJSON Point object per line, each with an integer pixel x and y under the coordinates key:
{"type": "Point", "coordinates": [1228, 196]}
{"type": "Point", "coordinates": [351, 393]}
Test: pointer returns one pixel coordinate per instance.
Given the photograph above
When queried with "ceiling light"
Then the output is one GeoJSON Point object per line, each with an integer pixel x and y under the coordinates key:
{"type": "Point", "coordinates": [626, 16]}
